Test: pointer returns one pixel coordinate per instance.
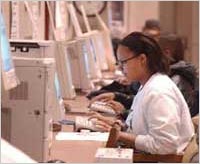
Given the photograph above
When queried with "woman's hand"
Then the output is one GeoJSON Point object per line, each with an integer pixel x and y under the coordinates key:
{"type": "Point", "coordinates": [95, 115]}
{"type": "Point", "coordinates": [104, 97]}
{"type": "Point", "coordinates": [100, 122]}
{"type": "Point", "coordinates": [102, 126]}
{"type": "Point", "coordinates": [116, 106]}
{"type": "Point", "coordinates": [107, 122]}
{"type": "Point", "coordinates": [99, 117]}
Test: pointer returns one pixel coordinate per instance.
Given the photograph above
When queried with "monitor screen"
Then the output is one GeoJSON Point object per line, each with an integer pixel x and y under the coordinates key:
{"type": "Point", "coordinates": [85, 54]}
{"type": "Point", "coordinates": [8, 72]}
{"type": "Point", "coordinates": [93, 49]}
{"type": "Point", "coordinates": [60, 111]}
{"type": "Point", "coordinates": [57, 86]}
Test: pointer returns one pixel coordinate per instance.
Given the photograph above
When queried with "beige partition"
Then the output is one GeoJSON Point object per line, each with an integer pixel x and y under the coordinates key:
{"type": "Point", "coordinates": [187, 20]}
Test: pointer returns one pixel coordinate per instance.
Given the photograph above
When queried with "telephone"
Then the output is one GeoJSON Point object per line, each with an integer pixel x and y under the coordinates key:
{"type": "Point", "coordinates": [102, 107]}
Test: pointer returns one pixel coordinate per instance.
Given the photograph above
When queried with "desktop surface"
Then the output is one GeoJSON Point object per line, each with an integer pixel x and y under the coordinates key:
{"type": "Point", "coordinates": [73, 151]}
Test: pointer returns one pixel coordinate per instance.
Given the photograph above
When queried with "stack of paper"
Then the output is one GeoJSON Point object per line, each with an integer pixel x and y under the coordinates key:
{"type": "Point", "coordinates": [83, 136]}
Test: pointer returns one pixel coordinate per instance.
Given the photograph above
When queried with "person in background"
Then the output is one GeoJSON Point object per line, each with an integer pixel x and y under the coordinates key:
{"type": "Point", "coordinates": [152, 28]}
{"type": "Point", "coordinates": [159, 121]}
{"type": "Point", "coordinates": [183, 73]}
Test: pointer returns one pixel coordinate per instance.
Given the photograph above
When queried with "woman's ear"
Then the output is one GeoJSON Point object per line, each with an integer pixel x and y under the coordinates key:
{"type": "Point", "coordinates": [143, 59]}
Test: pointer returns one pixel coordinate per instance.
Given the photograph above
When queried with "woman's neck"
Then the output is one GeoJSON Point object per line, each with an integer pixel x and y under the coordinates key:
{"type": "Point", "coordinates": [145, 78]}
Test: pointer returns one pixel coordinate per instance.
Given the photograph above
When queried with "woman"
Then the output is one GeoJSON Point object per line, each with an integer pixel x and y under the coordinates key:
{"type": "Point", "coordinates": [159, 122]}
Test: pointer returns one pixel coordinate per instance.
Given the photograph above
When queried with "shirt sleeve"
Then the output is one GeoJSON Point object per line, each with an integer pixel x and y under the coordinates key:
{"type": "Point", "coordinates": [162, 119]}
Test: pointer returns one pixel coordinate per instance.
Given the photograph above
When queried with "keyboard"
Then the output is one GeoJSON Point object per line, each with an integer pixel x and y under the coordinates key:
{"type": "Point", "coordinates": [102, 107]}
{"type": "Point", "coordinates": [84, 123]}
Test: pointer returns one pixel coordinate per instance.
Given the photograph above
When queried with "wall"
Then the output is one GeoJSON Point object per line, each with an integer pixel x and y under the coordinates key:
{"type": "Point", "coordinates": [139, 12]}
{"type": "Point", "coordinates": [167, 16]}
{"type": "Point", "coordinates": [195, 34]}
{"type": "Point", "coordinates": [182, 18]}
{"type": "Point", "coordinates": [187, 20]}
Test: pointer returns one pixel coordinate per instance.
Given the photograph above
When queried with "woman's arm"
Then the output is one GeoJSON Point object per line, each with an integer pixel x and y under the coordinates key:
{"type": "Point", "coordinates": [165, 125]}
{"type": "Point", "coordinates": [127, 138]}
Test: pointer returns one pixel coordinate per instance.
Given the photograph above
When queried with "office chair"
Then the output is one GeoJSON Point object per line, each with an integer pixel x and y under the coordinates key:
{"type": "Point", "coordinates": [192, 149]}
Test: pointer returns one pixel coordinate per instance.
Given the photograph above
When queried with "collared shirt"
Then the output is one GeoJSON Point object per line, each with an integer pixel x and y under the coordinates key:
{"type": "Point", "coordinates": [160, 117]}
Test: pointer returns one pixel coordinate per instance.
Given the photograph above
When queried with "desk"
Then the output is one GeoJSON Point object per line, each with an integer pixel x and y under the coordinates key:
{"type": "Point", "coordinates": [168, 158]}
{"type": "Point", "coordinates": [84, 151]}
{"type": "Point", "coordinates": [74, 151]}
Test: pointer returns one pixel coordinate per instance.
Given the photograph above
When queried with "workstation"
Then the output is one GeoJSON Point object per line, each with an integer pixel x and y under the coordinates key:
{"type": "Point", "coordinates": [72, 93]}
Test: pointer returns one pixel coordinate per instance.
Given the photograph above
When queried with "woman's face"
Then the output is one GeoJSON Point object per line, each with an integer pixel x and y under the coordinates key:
{"type": "Point", "coordinates": [131, 65]}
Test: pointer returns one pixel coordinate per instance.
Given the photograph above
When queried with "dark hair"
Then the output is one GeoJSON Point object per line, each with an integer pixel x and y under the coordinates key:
{"type": "Point", "coordinates": [152, 24]}
{"type": "Point", "coordinates": [115, 42]}
{"type": "Point", "coordinates": [174, 43]}
{"type": "Point", "coordinates": [139, 44]}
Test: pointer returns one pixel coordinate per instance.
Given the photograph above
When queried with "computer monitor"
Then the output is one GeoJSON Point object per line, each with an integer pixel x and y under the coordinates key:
{"type": "Point", "coordinates": [48, 49]}
{"type": "Point", "coordinates": [58, 114]}
{"type": "Point", "coordinates": [10, 79]}
{"type": "Point", "coordinates": [97, 39]}
{"type": "Point", "coordinates": [64, 71]}
{"type": "Point", "coordinates": [86, 58]}
{"type": "Point", "coordinates": [27, 114]}
{"type": "Point", "coordinates": [96, 69]}
{"type": "Point", "coordinates": [57, 86]}
{"type": "Point", "coordinates": [77, 51]}
{"type": "Point", "coordinates": [45, 49]}
{"type": "Point", "coordinates": [91, 51]}
{"type": "Point", "coordinates": [86, 48]}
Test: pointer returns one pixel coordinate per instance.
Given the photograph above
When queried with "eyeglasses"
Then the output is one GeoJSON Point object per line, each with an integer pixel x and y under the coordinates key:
{"type": "Point", "coordinates": [123, 62]}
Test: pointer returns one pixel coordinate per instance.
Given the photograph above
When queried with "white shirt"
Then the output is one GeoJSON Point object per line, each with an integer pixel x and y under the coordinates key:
{"type": "Point", "coordinates": [160, 117]}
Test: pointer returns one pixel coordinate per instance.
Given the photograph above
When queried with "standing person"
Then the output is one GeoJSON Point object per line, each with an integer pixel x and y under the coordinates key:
{"type": "Point", "coordinates": [159, 122]}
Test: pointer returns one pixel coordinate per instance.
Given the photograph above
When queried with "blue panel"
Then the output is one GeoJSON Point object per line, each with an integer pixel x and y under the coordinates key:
{"type": "Point", "coordinates": [5, 47]}
{"type": "Point", "coordinates": [57, 85]}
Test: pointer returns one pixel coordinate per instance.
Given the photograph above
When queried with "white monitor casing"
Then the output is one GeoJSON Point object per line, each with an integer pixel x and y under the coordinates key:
{"type": "Point", "coordinates": [28, 107]}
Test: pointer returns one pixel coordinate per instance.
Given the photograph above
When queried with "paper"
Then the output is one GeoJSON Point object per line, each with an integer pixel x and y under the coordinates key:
{"type": "Point", "coordinates": [114, 155]}
{"type": "Point", "coordinates": [83, 136]}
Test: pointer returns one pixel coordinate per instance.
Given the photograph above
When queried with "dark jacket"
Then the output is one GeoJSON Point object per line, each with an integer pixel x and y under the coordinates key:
{"type": "Point", "coordinates": [185, 76]}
